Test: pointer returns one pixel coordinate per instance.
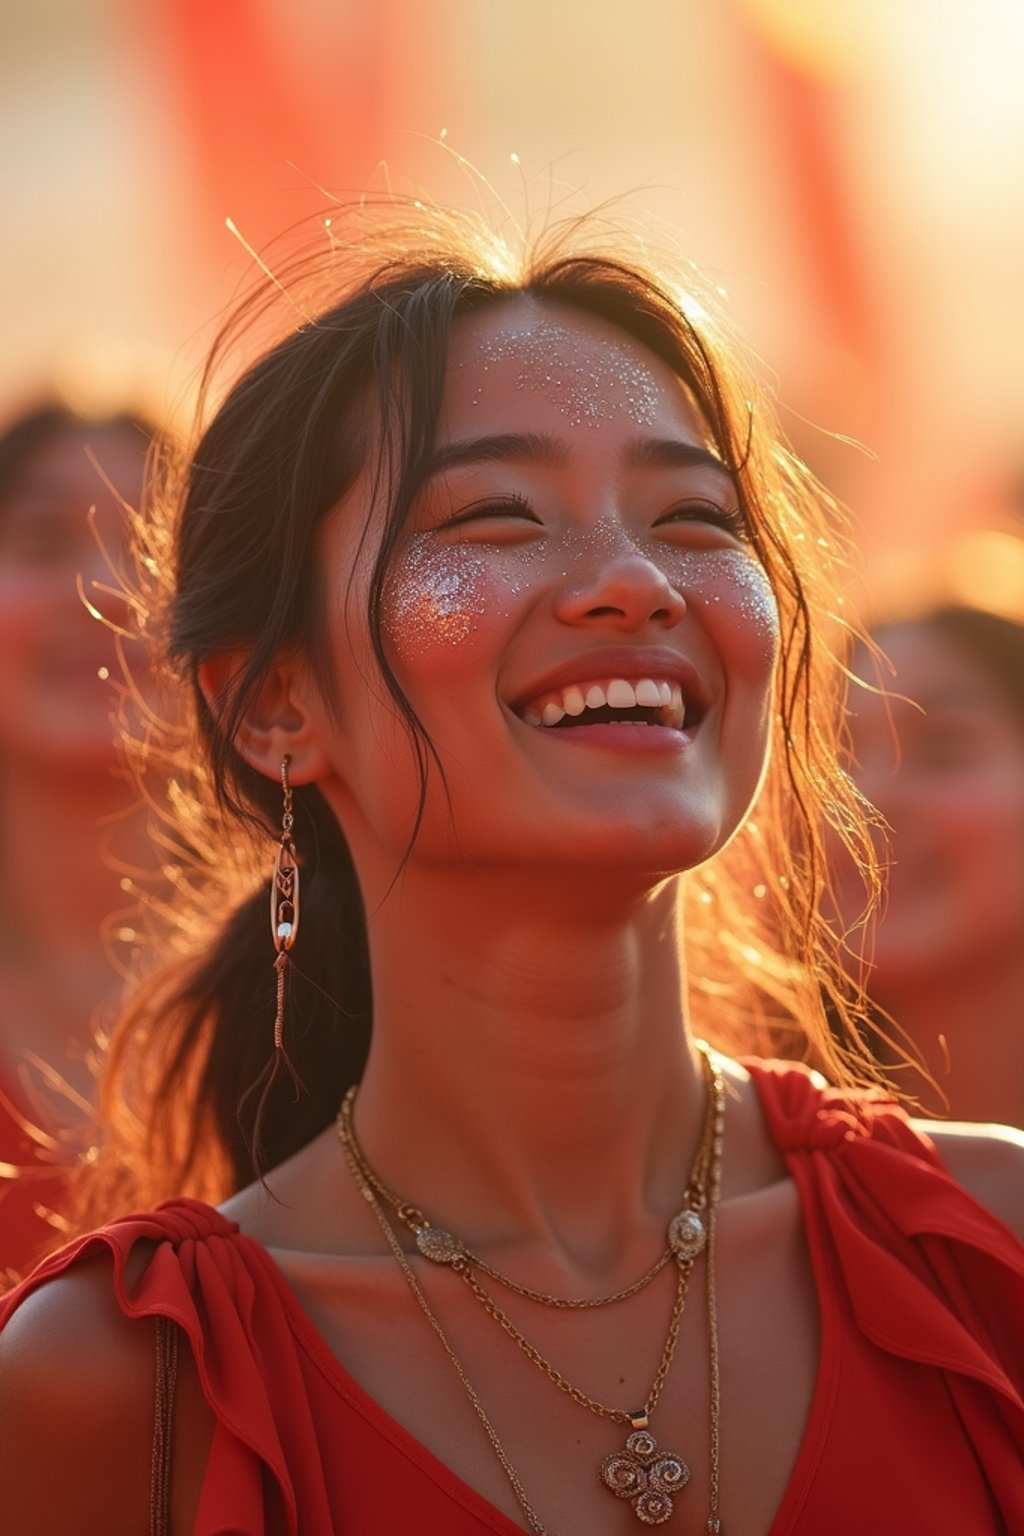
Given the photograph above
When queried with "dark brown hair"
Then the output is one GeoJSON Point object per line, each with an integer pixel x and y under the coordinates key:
{"type": "Point", "coordinates": [229, 561]}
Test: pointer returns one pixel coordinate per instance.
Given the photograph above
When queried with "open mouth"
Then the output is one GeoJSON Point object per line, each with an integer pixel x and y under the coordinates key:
{"type": "Point", "coordinates": [612, 701]}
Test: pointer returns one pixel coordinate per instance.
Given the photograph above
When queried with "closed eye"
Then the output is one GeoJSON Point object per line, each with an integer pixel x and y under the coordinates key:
{"type": "Point", "coordinates": [731, 520]}
{"type": "Point", "coordinates": [493, 509]}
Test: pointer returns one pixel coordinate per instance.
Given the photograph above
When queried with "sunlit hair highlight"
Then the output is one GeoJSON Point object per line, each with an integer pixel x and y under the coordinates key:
{"type": "Point", "coordinates": [351, 346]}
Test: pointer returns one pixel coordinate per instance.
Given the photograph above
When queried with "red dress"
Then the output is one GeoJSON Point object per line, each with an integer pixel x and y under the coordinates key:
{"type": "Point", "coordinates": [917, 1419]}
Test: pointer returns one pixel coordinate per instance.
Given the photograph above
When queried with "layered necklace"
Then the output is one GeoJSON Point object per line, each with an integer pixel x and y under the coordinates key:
{"type": "Point", "coordinates": [642, 1473]}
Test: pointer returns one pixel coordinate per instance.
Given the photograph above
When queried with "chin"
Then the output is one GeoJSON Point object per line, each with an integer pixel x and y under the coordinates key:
{"type": "Point", "coordinates": [643, 849]}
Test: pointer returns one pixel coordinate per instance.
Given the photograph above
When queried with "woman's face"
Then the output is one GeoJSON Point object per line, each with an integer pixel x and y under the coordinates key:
{"type": "Point", "coordinates": [56, 700]}
{"type": "Point", "coordinates": [951, 786]}
{"type": "Point", "coordinates": [573, 613]}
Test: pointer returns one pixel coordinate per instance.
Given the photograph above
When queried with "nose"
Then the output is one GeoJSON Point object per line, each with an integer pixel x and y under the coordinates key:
{"type": "Point", "coordinates": [624, 591]}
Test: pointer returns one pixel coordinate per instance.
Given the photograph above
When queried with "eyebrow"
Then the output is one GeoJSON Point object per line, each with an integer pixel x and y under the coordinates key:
{"type": "Point", "coordinates": [672, 453]}
{"type": "Point", "coordinates": [512, 447]}
{"type": "Point", "coordinates": [538, 448]}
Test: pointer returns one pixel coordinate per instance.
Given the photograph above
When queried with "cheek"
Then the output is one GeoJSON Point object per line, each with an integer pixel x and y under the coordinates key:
{"type": "Point", "coordinates": [437, 599]}
{"type": "Point", "coordinates": [734, 597]}
{"type": "Point", "coordinates": [728, 588]}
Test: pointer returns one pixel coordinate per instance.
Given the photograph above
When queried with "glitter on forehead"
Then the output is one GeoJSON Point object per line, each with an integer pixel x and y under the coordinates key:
{"type": "Point", "coordinates": [434, 596]}
{"type": "Point", "coordinates": [588, 382]}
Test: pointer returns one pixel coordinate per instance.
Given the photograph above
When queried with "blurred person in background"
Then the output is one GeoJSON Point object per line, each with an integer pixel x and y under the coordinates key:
{"type": "Point", "coordinates": [69, 827]}
{"type": "Point", "coordinates": [413, 533]}
{"type": "Point", "coordinates": [938, 747]}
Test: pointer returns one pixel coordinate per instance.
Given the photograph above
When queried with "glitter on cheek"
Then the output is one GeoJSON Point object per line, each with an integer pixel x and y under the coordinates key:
{"type": "Point", "coordinates": [733, 579]}
{"type": "Point", "coordinates": [437, 595]}
{"type": "Point", "coordinates": [589, 383]}
{"type": "Point", "coordinates": [434, 597]}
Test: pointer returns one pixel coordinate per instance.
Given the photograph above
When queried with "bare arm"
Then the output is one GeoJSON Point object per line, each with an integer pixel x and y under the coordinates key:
{"type": "Point", "coordinates": [988, 1161]}
{"type": "Point", "coordinates": [76, 1415]}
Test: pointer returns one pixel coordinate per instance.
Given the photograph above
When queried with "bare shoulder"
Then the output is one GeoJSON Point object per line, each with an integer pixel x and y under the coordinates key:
{"type": "Point", "coordinates": [76, 1410]}
{"type": "Point", "coordinates": [988, 1160]}
{"type": "Point", "coordinates": [76, 1394]}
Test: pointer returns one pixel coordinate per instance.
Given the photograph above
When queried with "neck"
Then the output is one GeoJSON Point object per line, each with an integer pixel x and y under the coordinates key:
{"type": "Point", "coordinates": [967, 1030]}
{"type": "Point", "coordinates": [530, 1067]}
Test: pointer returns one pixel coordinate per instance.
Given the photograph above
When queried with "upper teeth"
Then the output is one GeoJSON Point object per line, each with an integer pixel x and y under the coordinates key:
{"type": "Point", "coordinates": [617, 693]}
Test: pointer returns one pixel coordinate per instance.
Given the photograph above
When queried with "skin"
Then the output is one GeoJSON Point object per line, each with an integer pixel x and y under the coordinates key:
{"type": "Point", "coordinates": [944, 763]}
{"type": "Point", "coordinates": [528, 1059]}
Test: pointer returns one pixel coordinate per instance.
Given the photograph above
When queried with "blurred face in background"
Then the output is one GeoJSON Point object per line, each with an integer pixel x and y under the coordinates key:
{"type": "Point", "coordinates": [59, 664]}
{"type": "Point", "coordinates": [951, 786]}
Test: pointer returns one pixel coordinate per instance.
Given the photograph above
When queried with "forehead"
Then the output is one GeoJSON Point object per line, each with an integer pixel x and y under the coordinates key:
{"type": "Point", "coordinates": [527, 358]}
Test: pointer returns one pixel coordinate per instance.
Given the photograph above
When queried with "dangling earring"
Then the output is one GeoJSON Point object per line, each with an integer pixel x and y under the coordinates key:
{"type": "Point", "coordinates": [284, 901]}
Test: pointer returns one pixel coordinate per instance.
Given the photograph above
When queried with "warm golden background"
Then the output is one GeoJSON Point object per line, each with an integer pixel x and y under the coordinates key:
{"type": "Point", "coordinates": [850, 171]}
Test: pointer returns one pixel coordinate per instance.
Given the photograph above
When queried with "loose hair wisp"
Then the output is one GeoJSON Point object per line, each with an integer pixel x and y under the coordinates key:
{"type": "Point", "coordinates": [228, 560]}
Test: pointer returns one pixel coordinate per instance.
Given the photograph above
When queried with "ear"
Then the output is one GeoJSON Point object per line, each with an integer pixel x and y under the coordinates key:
{"type": "Point", "coordinates": [279, 721]}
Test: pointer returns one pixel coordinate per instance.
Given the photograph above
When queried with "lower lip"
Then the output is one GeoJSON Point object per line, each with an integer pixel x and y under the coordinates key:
{"type": "Point", "coordinates": [627, 737]}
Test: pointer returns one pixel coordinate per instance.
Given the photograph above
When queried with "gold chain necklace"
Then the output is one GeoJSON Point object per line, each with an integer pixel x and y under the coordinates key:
{"type": "Point", "coordinates": [685, 1235]}
{"type": "Point", "coordinates": [641, 1473]}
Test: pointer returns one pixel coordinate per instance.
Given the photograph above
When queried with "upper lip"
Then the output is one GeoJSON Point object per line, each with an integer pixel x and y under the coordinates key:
{"type": "Point", "coordinates": [630, 662]}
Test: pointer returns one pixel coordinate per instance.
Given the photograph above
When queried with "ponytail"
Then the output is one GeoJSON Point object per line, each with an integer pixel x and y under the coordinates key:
{"type": "Point", "coordinates": [191, 1101]}
{"type": "Point", "coordinates": [229, 565]}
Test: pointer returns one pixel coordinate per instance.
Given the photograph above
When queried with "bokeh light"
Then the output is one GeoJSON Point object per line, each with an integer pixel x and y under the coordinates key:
{"type": "Point", "coordinates": [851, 173]}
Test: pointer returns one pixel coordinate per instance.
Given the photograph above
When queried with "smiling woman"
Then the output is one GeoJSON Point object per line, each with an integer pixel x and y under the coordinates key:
{"type": "Point", "coordinates": [504, 611]}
